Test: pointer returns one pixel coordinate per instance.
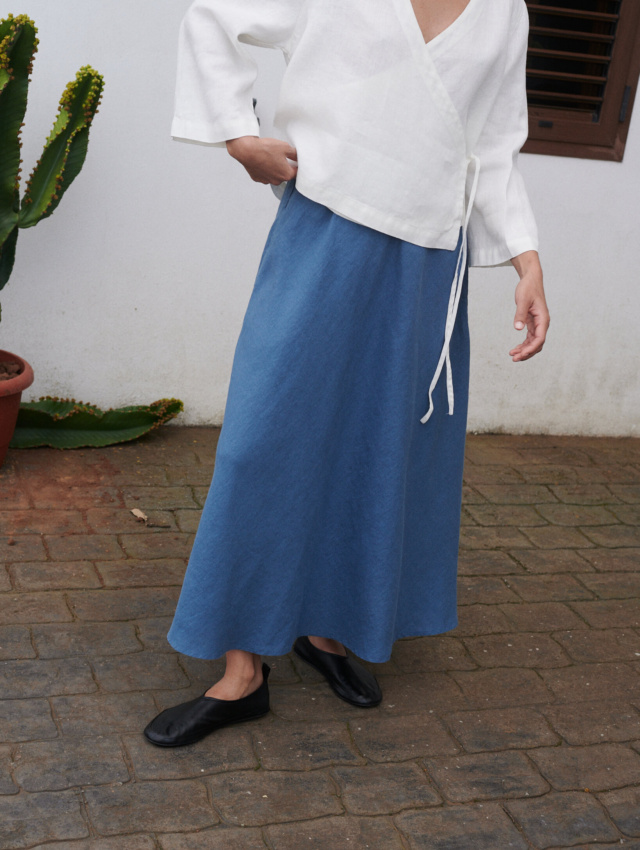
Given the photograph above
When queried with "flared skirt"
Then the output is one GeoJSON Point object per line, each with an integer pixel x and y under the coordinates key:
{"type": "Point", "coordinates": [333, 510]}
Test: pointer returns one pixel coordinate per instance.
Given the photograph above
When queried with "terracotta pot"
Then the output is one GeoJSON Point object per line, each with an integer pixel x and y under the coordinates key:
{"type": "Point", "coordinates": [10, 395]}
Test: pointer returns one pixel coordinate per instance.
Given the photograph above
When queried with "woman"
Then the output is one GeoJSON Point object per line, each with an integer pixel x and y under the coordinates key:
{"type": "Point", "coordinates": [333, 516]}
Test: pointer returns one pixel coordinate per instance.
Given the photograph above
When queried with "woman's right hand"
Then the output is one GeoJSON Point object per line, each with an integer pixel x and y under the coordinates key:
{"type": "Point", "coordinates": [264, 159]}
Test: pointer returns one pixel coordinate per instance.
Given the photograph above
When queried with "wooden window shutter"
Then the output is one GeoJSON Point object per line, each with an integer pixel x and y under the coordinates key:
{"type": "Point", "coordinates": [582, 73]}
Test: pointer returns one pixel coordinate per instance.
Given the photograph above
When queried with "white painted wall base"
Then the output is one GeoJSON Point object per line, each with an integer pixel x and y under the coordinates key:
{"type": "Point", "coordinates": [136, 287]}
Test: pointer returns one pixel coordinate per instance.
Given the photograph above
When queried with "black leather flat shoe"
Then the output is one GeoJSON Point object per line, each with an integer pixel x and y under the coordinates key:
{"type": "Point", "coordinates": [348, 678]}
{"type": "Point", "coordinates": [190, 721]}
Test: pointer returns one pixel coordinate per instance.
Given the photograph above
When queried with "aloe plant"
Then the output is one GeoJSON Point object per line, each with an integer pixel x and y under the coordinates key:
{"type": "Point", "coordinates": [65, 148]}
{"type": "Point", "coordinates": [65, 423]}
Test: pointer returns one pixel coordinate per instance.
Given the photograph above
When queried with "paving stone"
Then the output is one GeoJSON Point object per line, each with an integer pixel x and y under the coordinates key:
{"type": "Point", "coordinates": [153, 634]}
{"type": "Point", "coordinates": [559, 455]}
{"type": "Point", "coordinates": [132, 573]}
{"type": "Point", "coordinates": [562, 819]}
{"type": "Point", "coordinates": [338, 833]}
{"type": "Point", "coordinates": [552, 560]}
{"type": "Point", "coordinates": [613, 474]}
{"type": "Point", "coordinates": [139, 671]}
{"type": "Point", "coordinates": [7, 785]}
{"type": "Point", "coordinates": [159, 544]}
{"type": "Point", "coordinates": [134, 842]}
{"type": "Point", "coordinates": [482, 453]}
{"type": "Point", "coordinates": [500, 729]}
{"type": "Point", "coordinates": [614, 585]}
{"type": "Point", "coordinates": [394, 739]}
{"type": "Point", "coordinates": [583, 494]}
{"type": "Point", "coordinates": [573, 515]}
{"type": "Point", "coordinates": [53, 575]}
{"type": "Point", "coordinates": [15, 642]}
{"type": "Point", "coordinates": [5, 582]}
{"type": "Point", "coordinates": [481, 826]}
{"type": "Point", "coordinates": [624, 809]}
{"type": "Point", "coordinates": [502, 687]}
{"type": "Point", "coordinates": [41, 678]}
{"type": "Point", "coordinates": [548, 473]}
{"type": "Point", "coordinates": [516, 494]}
{"type": "Point", "coordinates": [613, 560]}
{"type": "Point", "coordinates": [309, 702]}
{"type": "Point", "coordinates": [496, 537]}
{"type": "Point", "coordinates": [593, 682]}
{"type": "Point", "coordinates": [47, 521]}
{"type": "Point", "coordinates": [384, 788]}
{"type": "Point", "coordinates": [542, 616]}
{"type": "Point", "coordinates": [120, 520]}
{"type": "Point", "coordinates": [188, 520]}
{"type": "Point", "coordinates": [485, 776]}
{"type": "Point", "coordinates": [127, 604]}
{"type": "Point", "coordinates": [85, 639]}
{"type": "Point", "coordinates": [559, 537]}
{"type": "Point", "coordinates": [148, 498]}
{"type": "Point", "coordinates": [485, 562]}
{"type": "Point", "coordinates": [26, 720]}
{"type": "Point", "coordinates": [593, 723]}
{"type": "Point", "coordinates": [613, 535]}
{"type": "Point", "coordinates": [410, 694]}
{"type": "Point", "coordinates": [199, 476]}
{"type": "Point", "coordinates": [506, 515]}
{"type": "Point", "coordinates": [56, 495]}
{"type": "Point", "coordinates": [26, 819]}
{"type": "Point", "coordinates": [104, 714]}
{"type": "Point", "coordinates": [255, 798]}
{"type": "Point", "coordinates": [302, 746]}
{"type": "Point", "coordinates": [81, 547]}
{"type": "Point", "coordinates": [153, 806]}
{"type": "Point", "coordinates": [431, 654]}
{"type": "Point", "coordinates": [64, 763]}
{"type": "Point", "coordinates": [33, 608]}
{"type": "Point", "coordinates": [629, 514]}
{"type": "Point", "coordinates": [12, 497]}
{"type": "Point", "coordinates": [516, 650]}
{"type": "Point", "coordinates": [491, 474]}
{"type": "Point", "coordinates": [595, 768]}
{"type": "Point", "coordinates": [200, 495]}
{"type": "Point", "coordinates": [484, 589]}
{"type": "Point", "coordinates": [22, 547]}
{"type": "Point", "coordinates": [224, 750]}
{"type": "Point", "coordinates": [548, 588]}
{"type": "Point", "coordinates": [627, 492]}
{"type": "Point", "coordinates": [587, 645]}
{"type": "Point", "coordinates": [218, 838]}
{"type": "Point", "coordinates": [604, 614]}
{"type": "Point", "coordinates": [481, 620]}
{"type": "Point", "coordinates": [471, 496]}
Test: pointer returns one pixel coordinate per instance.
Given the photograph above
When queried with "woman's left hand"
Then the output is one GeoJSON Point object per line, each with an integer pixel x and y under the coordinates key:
{"type": "Point", "coordinates": [531, 306]}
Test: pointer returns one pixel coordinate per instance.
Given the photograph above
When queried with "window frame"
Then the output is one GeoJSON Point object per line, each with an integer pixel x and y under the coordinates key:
{"type": "Point", "coordinates": [563, 133]}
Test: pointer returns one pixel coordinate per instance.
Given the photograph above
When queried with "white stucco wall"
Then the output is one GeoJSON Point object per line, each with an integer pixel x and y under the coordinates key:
{"type": "Point", "coordinates": [136, 287]}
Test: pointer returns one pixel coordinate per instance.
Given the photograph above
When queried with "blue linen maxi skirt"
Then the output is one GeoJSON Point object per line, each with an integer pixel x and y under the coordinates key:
{"type": "Point", "coordinates": [333, 510]}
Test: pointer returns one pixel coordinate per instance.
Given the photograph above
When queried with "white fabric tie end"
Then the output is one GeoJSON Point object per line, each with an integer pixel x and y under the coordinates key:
{"type": "Point", "coordinates": [454, 300]}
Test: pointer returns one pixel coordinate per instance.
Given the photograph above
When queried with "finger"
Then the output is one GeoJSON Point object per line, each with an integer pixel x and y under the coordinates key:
{"type": "Point", "coordinates": [292, 153]}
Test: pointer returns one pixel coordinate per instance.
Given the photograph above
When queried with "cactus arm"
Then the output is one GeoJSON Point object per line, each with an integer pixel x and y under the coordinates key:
{"type": "Point", "coordinates": [7, 256]}
{"type": "Point", "coordinates": [18, 45]}
{"type": "Point", "coordinates": [65, 148]}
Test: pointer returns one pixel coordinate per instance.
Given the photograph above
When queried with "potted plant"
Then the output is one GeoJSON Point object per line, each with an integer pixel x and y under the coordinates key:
{"type": "Point", "coordinates": [61, 161]}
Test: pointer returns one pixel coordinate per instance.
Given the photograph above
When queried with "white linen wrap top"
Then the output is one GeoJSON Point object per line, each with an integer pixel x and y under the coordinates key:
{"type": "Point", "coordinates": [383, 123]}
{"type": "Point", "coordinates": [385, 126]}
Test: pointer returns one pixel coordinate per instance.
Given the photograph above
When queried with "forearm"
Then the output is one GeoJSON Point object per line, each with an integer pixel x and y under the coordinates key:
{"type": "Point", "coordinates": [528, 264]}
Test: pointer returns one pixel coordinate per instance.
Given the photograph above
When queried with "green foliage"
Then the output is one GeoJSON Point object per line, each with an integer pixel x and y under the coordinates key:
{"type": "Point", "coordinates": [65, 148]}
{"type": "Point", "coordinates": [64, 423]}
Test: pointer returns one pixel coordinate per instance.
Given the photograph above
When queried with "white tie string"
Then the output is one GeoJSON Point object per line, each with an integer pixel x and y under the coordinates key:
{"type": "Point", "coordinates": [454, 300]}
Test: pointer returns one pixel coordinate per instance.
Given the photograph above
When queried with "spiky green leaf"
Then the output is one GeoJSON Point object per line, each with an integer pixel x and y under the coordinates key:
{"type": "Point", "coordinates": [65, 148]}
{"type": "Point", "coordinates": [7, 256]}
{"type": "Point", "coordinates": [67, 424]}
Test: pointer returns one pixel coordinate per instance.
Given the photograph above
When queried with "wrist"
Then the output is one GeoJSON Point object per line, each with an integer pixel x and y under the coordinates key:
{"type": "Point", "coordinates": [528, 263]}
{"type": "Point", "coordinates": [235, 146]}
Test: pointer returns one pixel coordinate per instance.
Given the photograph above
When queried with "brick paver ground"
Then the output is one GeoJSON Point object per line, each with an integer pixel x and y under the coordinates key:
{"type": "Point", "coordinates": [520, 729]}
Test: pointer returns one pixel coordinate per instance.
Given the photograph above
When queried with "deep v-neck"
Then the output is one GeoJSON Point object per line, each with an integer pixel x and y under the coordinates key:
{"type": "Point", "coordinates": [448, 29]}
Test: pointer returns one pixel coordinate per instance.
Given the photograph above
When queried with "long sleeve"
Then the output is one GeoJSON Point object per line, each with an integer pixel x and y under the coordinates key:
{"type": "Point", "coordinates": [502, 224]}
{"type": "Point", "coordinates": [216, 74]}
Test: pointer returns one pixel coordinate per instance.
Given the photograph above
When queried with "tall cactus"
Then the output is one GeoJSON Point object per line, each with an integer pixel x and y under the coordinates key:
{"type": "Point", "coordinates": [65, 148]}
